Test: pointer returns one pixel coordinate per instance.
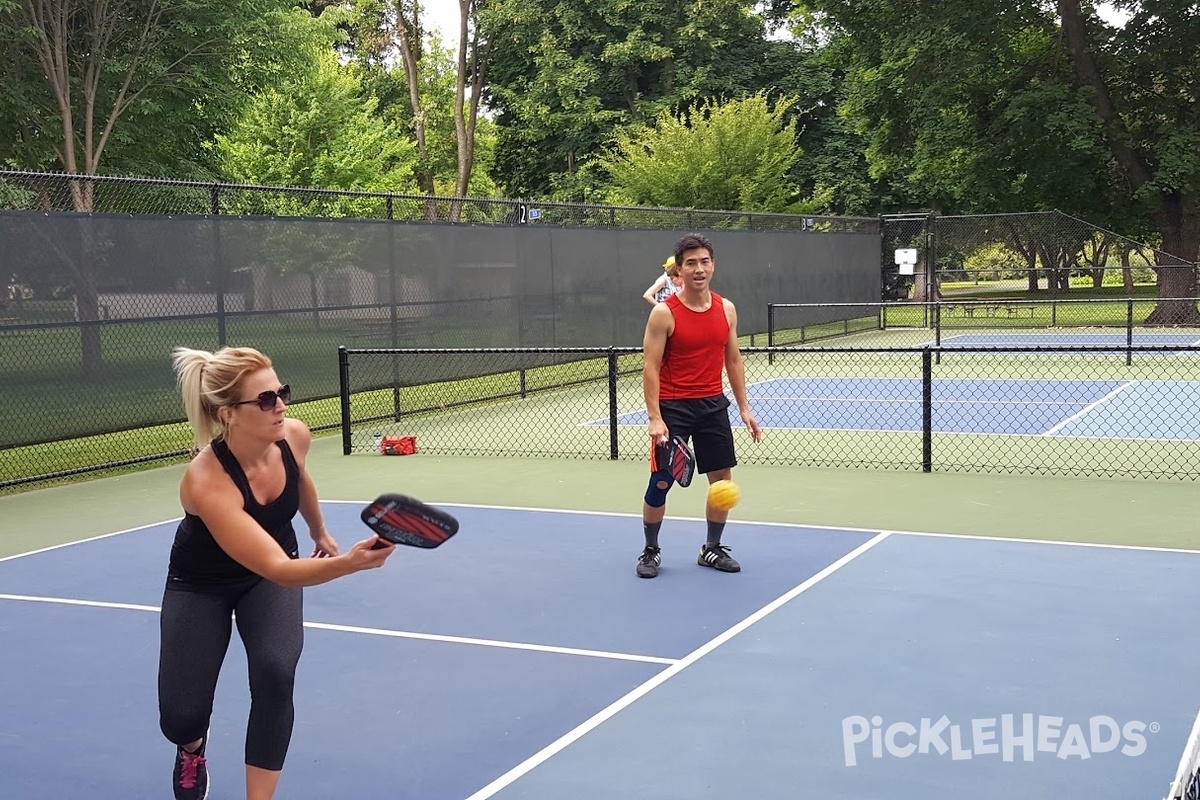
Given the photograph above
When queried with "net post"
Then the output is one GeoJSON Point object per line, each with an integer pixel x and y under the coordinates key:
{"type": "Point", "coordinates": [344, 396]}
{"type": "Point", "coordinates": [927, 410]}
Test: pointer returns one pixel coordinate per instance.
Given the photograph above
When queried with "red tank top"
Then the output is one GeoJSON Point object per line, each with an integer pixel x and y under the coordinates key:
{"type": "Point", "coordinates": [695, 352]}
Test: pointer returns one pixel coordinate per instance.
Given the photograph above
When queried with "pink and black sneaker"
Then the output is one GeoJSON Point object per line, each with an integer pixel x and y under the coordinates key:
{"type": "Point", "coordinates": [191, 774]}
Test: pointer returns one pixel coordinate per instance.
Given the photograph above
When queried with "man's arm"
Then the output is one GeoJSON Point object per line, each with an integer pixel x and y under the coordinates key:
{"type": "Point", "coordinates": [654, 345]}
{"type": "Point", "coordinates": [735, 368]}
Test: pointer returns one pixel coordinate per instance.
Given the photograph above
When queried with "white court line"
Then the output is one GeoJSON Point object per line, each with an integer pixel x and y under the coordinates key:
{"type": "Point", "coordinates": [691, 658]}
{"type": "Point", "coordinates": [810, 527]}
{"type": "Point", "coordinates": [540, 648]}
{"type": "Point", "coordinates": [638, 516]}
{"type": "Point", "coordinates": [67, 601]}
{"type": "Point", "coordinates": [90, 539]}
{"type": "Point", "coordinates": [1058, 542]}
{"type": "Point", "coordinates": [325, 626]}
{"type": "Point", "coordinates": [1089, 407]}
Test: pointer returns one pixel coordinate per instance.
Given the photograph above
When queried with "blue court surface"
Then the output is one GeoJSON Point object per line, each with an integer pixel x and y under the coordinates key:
{"type": "Point", "coordinates": [1136, 409]}
{"type": "Point", "coordinates": [526, 660]}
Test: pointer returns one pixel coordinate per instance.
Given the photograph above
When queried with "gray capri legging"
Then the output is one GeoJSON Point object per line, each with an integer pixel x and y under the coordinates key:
{"type": "Point", "coordinates": [196, 628]}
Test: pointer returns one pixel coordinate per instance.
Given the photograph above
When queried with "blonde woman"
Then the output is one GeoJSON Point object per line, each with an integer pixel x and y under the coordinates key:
{"type": "Point", "coordinates": [667, 284]}
{"type": "Point", "coordinates": [235, 552]}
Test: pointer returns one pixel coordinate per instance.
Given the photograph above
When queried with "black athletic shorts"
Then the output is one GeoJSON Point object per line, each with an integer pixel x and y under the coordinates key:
{"type": "Point", "coordinates": [705, 423]}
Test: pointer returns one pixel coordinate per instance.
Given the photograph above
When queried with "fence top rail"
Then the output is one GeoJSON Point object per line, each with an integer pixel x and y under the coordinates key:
{"type": "Point", "coordinates": [791, 349]}
{"type": "Point", "coordinates": [805, 220]}
{"type": "Point", "coordinates": [430, 351]}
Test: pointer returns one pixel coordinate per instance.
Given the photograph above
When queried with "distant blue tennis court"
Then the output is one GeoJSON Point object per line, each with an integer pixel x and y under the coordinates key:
{"type": "Point", "coordinates": [1108, 409]}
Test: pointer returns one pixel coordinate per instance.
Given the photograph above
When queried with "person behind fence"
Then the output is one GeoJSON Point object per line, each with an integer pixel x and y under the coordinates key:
{"type": "Point", "coordinates": [235, 554]}
{"type": "Point", "coordinates": [690, 338]}
{"type": "Point", "coordinates": [666, 285]}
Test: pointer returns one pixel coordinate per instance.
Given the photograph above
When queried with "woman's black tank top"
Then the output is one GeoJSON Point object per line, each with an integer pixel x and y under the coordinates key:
{"type": "Point", "coordinates": [199, 564]}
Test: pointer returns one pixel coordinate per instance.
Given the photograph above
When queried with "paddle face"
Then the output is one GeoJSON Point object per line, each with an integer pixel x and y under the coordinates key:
{"type": "Point", "coordinates": [404, 520]}
{"type": "Point", "coordinates": [676, 457]}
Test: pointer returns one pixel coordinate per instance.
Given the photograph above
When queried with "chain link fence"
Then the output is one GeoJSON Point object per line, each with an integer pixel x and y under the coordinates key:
{"type": "Point", "coordinates": [1120, 321]}
{"type": "Point", "coordinates": [1012, 257]}
{"type": "Point", "coordinates": [1097, 410]}
{"type": "Point", "coordinates": [102, 276]}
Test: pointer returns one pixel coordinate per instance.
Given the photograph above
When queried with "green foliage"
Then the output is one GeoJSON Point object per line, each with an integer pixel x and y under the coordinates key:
{"type": "Point", "coordinates": [148, 98]}
{"type": "Point", "coordinates": [971, 107]}
{"type": "Point", "coordinates": [563, 76]}
{"type": "Point", "coordinates": [370, 47]}
{"type": "Point", "coordinates": [726, 156]}
{"type": "Point", "coordinates": [995, 262]}
{"type": "Point", "coordinates": [313, 128]}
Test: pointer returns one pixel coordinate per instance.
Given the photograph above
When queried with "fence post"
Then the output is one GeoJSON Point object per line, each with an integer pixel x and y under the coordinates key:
{"type": "Point", "coordinates": [934, 312]}
{"type": "Point", "coordinates": [612, 404]}
{"type": "Point", "coordinates": [927, 409]}
{"type": "Point", "coordinates": [770, 333]}
{"type": "Point", "coordinates": [1129, 332]}
{"type": "Point", "coordinates": [394, 311]}
{"type": "Point", "coordinates": [214, 193]}
{"type": "Point", "coordinates": [344, 396]}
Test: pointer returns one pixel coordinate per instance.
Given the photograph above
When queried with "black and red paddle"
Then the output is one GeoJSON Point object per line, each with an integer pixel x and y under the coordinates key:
{"type": "Point", "coordinates": [405, 520]}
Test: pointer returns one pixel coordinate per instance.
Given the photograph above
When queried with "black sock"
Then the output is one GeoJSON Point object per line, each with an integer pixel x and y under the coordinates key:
{"type": "Point", "coordinates": [651, 529]}
{"type": "Point", "coordinates": [715, 529]}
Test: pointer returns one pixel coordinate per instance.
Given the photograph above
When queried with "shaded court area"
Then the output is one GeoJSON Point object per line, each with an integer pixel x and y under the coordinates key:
{"type": "Point", "coordinates": [525, 660]}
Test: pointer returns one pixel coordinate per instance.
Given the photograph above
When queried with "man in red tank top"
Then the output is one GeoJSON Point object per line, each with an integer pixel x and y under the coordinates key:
{"type": "Point", "coordinates": [690, 339]}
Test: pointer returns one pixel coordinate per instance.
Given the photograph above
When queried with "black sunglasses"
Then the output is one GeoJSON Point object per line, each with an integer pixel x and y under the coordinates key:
{"type": "Point", "coordinates": [266, 400]}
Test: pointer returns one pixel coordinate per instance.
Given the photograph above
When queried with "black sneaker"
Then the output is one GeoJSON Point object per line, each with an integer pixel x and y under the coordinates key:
{"type": "Point", "coordinates": [717, 556]}
{"type": "Point", "coordinates": [648, 561]}
{"type": "Point", "coordinates": [191, 773]}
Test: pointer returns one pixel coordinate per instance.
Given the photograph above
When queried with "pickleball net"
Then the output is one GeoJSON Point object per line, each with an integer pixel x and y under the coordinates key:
{"type": "Point", "coordinates": [1186, 785]}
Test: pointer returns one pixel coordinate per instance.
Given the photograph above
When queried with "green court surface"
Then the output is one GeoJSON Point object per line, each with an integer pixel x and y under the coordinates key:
{"type": "Point", "coordinates": [1109, 511]}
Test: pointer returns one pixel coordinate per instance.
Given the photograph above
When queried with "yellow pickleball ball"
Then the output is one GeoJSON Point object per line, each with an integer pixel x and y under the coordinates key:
{"type": "Point", "coordinates": [724, 494]}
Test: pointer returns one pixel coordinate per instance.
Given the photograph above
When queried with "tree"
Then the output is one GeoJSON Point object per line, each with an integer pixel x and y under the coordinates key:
{"type": "Point", "coordinates": [727, 156]}
{"type": "Point", "coordinates": [314, 129]}
{"type": "Point", "coordinates": [121, 82]}
{"type": "Point", "coordinates": [470, 78]}
{"type": "Point", "coordinates": [129, 82]}
{"type": "Point", "coordinates": [564, 76]}
{"type": "Point", "coordinates": [433, 93]}
{"type": "Point", "coordinates": [1142, 83]}
{"type": "Point", "coordinates": [995, 106]}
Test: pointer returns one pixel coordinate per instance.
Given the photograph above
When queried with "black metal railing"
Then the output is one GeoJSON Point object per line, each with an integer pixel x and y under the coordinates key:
{"type": "Point", "coordinates": [1069, 410]}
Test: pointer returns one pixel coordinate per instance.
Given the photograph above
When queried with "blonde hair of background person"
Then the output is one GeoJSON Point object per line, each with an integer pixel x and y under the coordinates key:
{"type": "Point", "coordinates": [235, 556]}
{"type": "Point", "coordinates": [667, 284]}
